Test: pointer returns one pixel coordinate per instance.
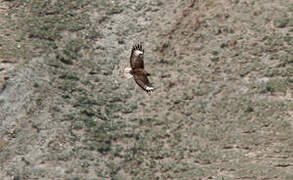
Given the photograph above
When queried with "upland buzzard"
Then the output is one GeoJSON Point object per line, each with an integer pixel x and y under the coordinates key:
{"type": "Point", "coordinates": [136, 69]}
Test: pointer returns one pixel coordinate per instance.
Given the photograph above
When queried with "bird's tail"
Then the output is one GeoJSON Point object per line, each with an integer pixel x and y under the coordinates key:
{"type": "Point", "coordinates": [126, 73]}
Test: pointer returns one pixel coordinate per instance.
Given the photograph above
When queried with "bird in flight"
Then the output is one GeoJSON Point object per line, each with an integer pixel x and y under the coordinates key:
{"type": "Point", "coordinates": [136, 69]}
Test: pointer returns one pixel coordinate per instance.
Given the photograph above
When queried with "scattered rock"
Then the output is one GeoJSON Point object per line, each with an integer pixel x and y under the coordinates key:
{"type": "Point", "coordinates": [281, 22]}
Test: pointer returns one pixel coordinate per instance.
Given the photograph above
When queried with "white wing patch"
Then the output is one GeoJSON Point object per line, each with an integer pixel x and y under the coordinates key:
{"type": "Point", "coordinates": [149, 88]}
{"type": "Point", "coordinates": [138, 52]}
{"type": "Point", "coordinates": [126, 73]}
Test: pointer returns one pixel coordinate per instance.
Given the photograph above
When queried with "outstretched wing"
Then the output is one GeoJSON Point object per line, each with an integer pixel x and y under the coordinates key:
{"type": "Point", "coordinates": [143, 82]}
{"type": "Point", "coordinates": [136, 57]}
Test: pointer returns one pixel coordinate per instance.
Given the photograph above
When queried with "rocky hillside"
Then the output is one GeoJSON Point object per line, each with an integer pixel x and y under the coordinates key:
{"type": "Point", "coordinates": [222, 108]}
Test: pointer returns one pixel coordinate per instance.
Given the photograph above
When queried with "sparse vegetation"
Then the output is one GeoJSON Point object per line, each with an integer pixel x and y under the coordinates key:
{"type": "Point", "coordinates": [223, 103]}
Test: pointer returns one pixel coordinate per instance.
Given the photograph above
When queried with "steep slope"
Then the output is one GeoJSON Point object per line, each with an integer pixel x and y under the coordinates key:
{"type": "Point", "coordinates": [222, 108]}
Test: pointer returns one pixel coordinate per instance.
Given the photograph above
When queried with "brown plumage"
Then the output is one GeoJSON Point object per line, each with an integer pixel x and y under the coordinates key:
{"type": "Point", "coordinates": [137, 68]}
